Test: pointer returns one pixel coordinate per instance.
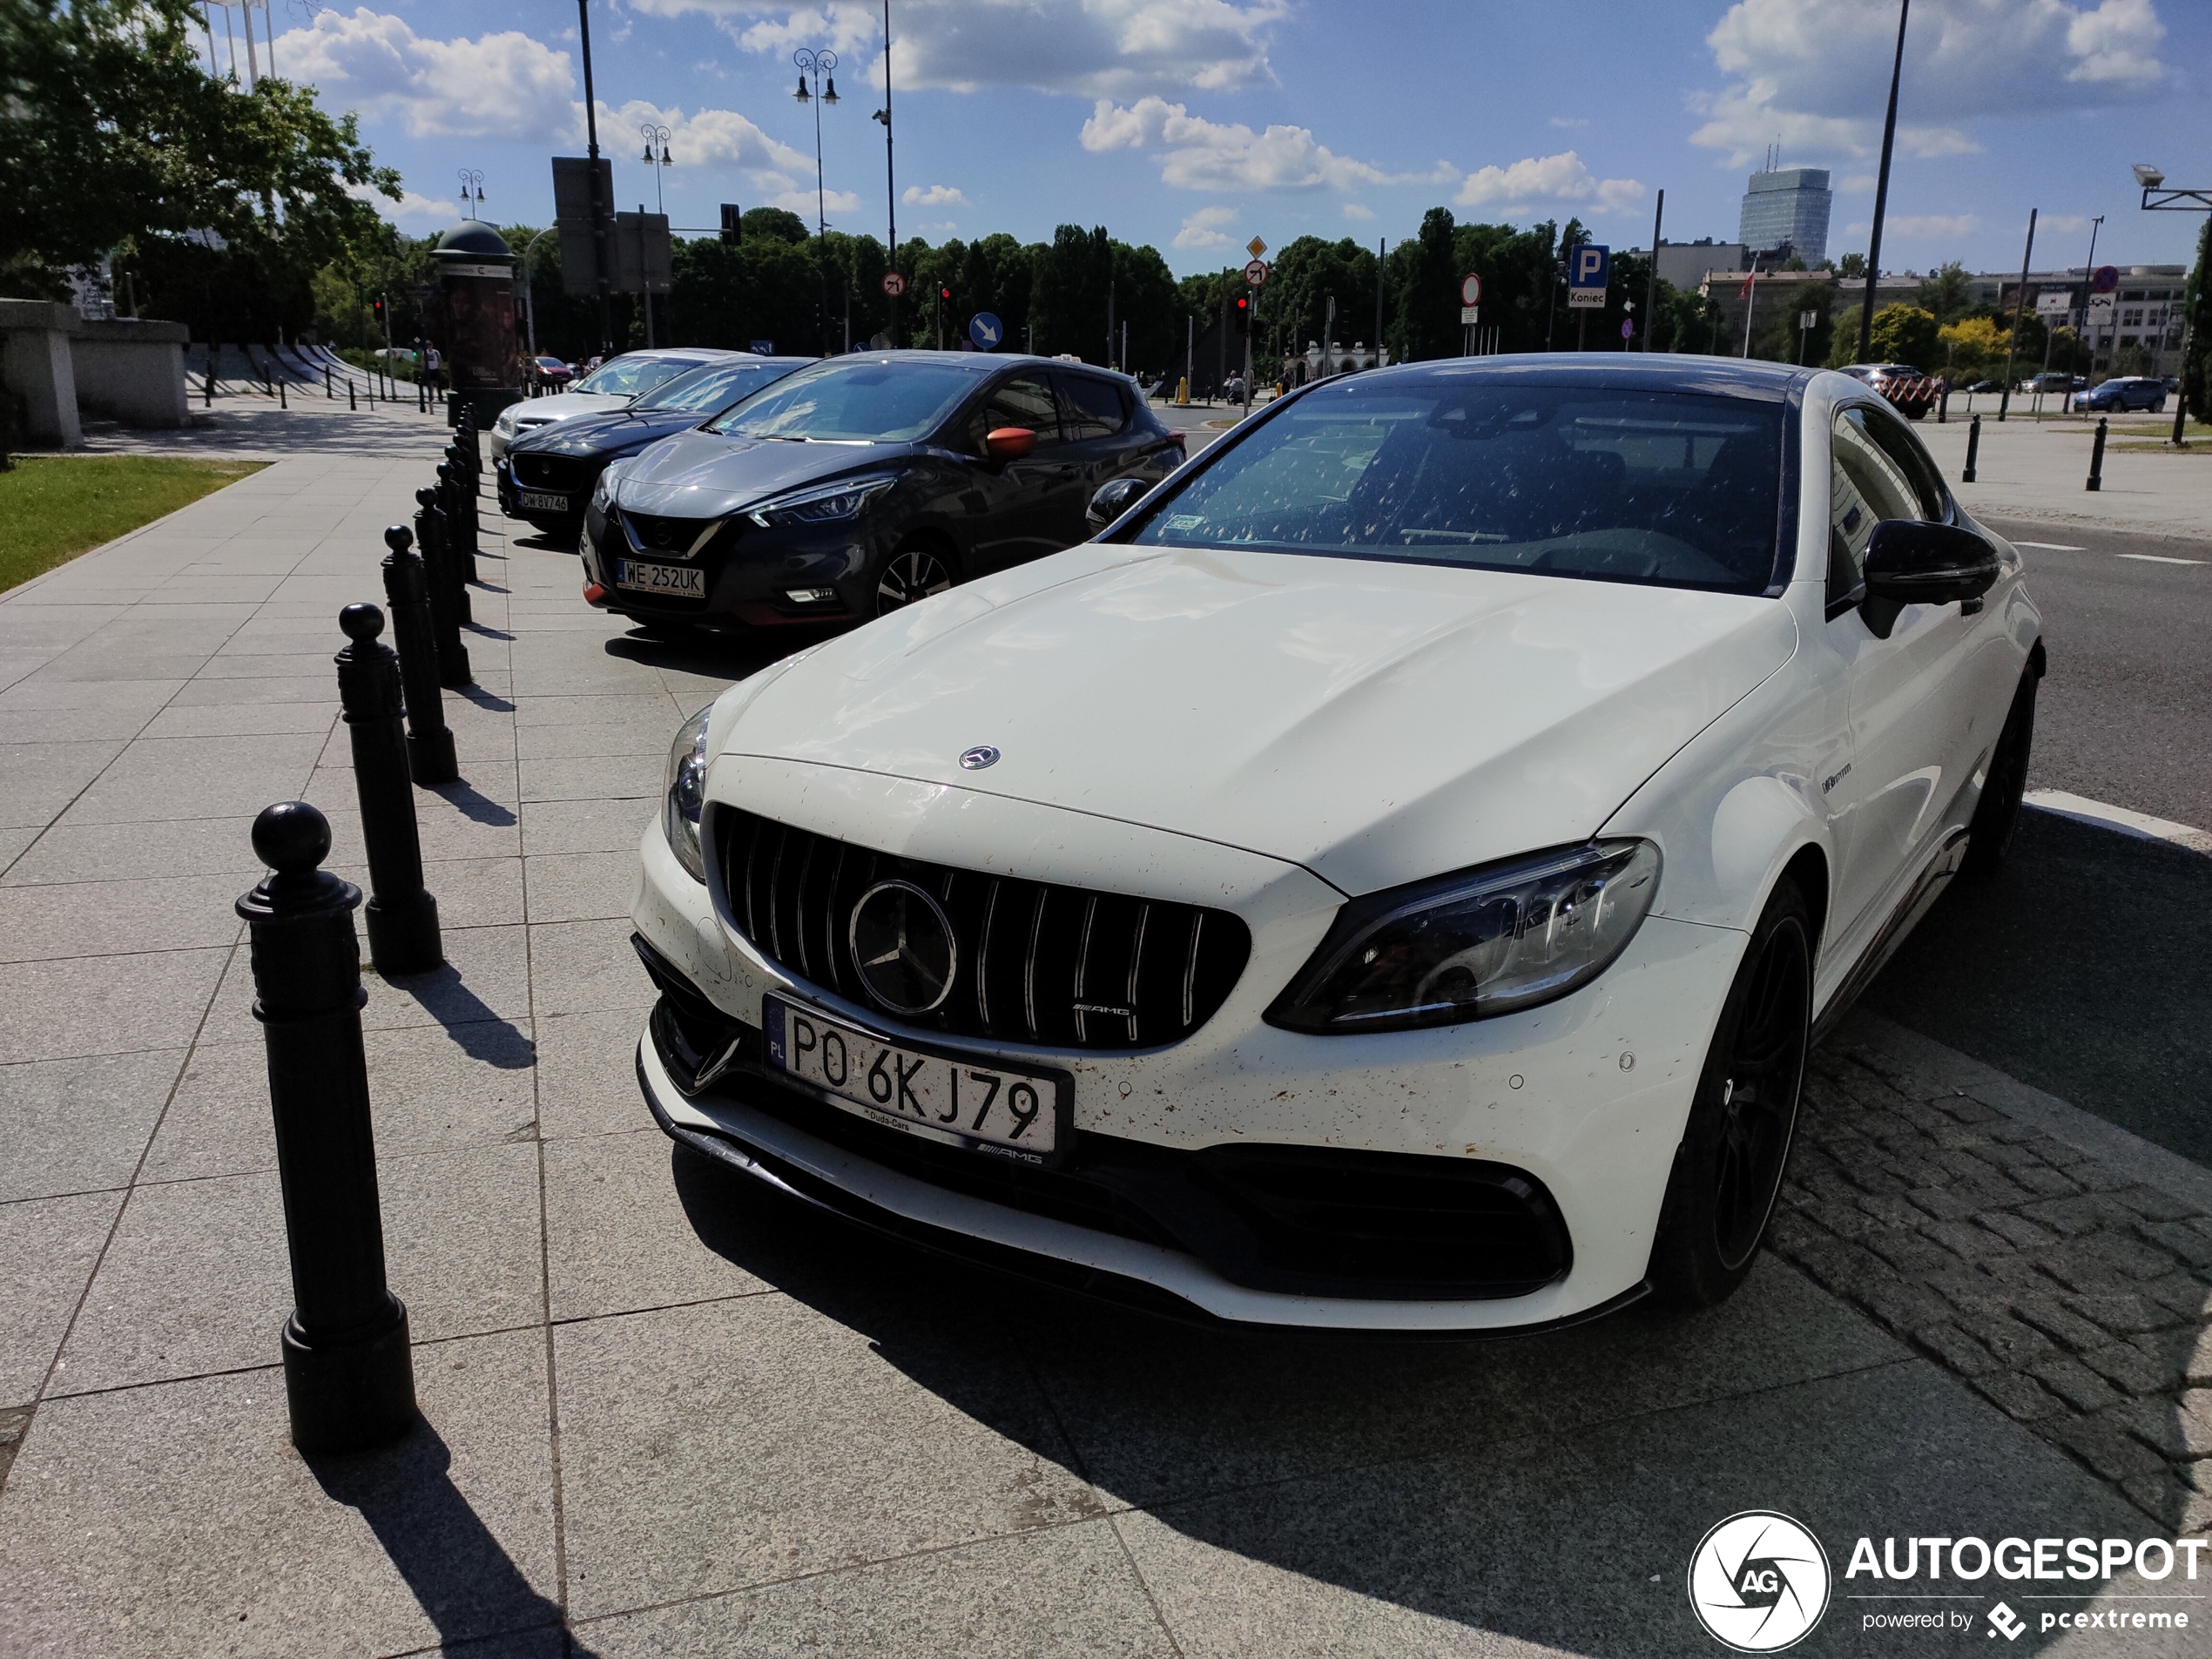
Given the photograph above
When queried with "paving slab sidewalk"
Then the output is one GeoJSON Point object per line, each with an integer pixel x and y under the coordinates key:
{"type": "Point", "coordinates": [664, 1413]}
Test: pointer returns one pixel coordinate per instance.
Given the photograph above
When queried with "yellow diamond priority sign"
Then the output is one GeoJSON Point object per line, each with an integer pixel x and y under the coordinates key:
{"type": "Point", "coordinates": [1255, 247]}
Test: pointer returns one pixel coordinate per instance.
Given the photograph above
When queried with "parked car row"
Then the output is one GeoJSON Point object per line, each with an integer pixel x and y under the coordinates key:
{"type": "Point", "coordinates": [1388, 878]}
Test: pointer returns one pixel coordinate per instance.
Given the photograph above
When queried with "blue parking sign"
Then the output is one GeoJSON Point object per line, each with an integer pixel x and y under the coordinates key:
{"type": "Point", "coordinates": [1588, 266]}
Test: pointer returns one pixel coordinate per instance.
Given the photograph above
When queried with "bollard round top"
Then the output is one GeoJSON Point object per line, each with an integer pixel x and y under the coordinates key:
{"type": "Point", "coordinates": [361, 623]}
{"type": "Point", "coordinates": [399, 538]}
{"type": "Point", "coordinates": [292, 838]}
{"type": "Point", "coordinates": [427, 496]}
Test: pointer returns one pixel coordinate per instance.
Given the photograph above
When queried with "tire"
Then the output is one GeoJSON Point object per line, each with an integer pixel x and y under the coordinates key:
{"type": "Point", "coordinates": [1728, 1168]}
{"type": "Point", "coordinates": [1989, 836]}
{"type": "Point", "coordinates": [914, 571]}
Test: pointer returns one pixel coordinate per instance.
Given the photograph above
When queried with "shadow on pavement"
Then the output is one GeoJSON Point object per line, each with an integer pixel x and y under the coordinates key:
{"type": "Point", "coordinates": [696, 650]}
{"type": "Point", "coordinates": [465, 1581]}
{"type": "Point", "coordinates": [468, 1019]}
{"type": "Point", "coordinates": [478, 808]}
{"type": "Point", "coordinates": [2085, 969]}
{"type": "Point", "coordinates": [1551, 1488]}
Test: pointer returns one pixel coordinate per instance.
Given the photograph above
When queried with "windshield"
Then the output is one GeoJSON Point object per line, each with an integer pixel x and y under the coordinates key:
{"type": "Point", "coordinates": [1675, 489]}
{"type": "Point", "coordinates": [850, 398]}
{"type": "Point", "coordinates": [627, 376]}
{"type": "Point", "coordinates": [715, 387]}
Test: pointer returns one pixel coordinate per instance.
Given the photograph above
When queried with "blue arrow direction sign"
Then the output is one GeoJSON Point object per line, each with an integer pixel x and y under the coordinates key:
{"type": "Point", "coordinates": [1588, 265]}
{"type": "Point", "coordinates": [986, 331]}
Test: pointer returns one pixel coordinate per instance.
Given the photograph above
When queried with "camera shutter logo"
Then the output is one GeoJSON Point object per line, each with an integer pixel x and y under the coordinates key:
{"type": "Point", "coordinates": [1758, 1581]}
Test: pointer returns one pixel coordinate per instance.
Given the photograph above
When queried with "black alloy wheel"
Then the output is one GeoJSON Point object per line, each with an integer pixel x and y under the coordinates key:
{"type": "Point", "coordinates": [915, 571]}
{"type": "Point", "coordinates": [1989, 833]}
{"type": "Point", "coordinates": [1728, 1168]}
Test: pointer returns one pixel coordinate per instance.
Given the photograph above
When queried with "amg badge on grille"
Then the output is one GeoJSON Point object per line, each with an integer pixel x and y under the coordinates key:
{"type": "Point", "coordinates": [981, 756]}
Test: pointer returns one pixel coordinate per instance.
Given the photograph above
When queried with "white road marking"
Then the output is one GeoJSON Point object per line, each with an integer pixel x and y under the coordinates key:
{"type": "Point", "coordinates": [2157, 558]}
{"type": "Point", "coordinates": [2140, 825]}
{"type": "Point", "coordinates": [2051, 547]}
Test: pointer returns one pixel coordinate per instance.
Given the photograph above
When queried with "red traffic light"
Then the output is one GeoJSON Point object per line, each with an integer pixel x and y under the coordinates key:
{"type": "Point", "coordinates": [1244, 305]}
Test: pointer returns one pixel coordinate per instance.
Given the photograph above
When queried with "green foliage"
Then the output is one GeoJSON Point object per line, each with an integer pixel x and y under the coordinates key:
{"type": "Point", "coordinates": [775, 224]}
{"type": "Point", "coordinates": [117, 137]}
{"type": "Point", "coordinates": [1945, 295]}
{"type": "Point", "coordinates": [54, 508]}
{"type": "Point", "coordinates": [1851, 265]}
{"type": "Point", "coordinates": [2196, 363]}
{"type": "Point", "coordinates": [1905, 334]}
{"type": "Point", "coordinates": [1294, 306]}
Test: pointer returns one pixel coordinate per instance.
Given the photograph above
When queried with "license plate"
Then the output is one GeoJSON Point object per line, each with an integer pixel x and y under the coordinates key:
{"type": "Point", "coordinates": [542, 501]}
{"type": "Point", "coordinates": [677, 580]}
{"type": "Point", "coordinates": [951, 1098]}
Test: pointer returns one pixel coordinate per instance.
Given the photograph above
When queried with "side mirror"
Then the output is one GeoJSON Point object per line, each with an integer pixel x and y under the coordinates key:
{"type": "Point", "coordinates": [1115, 499]}
{"type": "Point", "coordinates": [1009, 442]}
{"type": "Point", "coordinates": [1911, 562]}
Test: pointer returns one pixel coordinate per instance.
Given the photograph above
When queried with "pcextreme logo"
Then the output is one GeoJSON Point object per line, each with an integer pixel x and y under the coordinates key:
{"type": "Point", "coordinates": [1758, 1581]}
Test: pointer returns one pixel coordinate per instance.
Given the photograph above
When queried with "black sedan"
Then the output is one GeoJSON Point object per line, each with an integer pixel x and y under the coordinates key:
{"type": "Point", "coordinates": [549, 475]}
{"type": "Point", "coordinates": [863, 483]}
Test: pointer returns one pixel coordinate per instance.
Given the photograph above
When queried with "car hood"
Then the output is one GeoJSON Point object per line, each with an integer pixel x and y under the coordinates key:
{"type": "Point", "coordinates": [1377, 723]}
{"type": "Point", "coordinates": [703, 474]}
{"type": "Point", "coordinates": [563, 406]}
{"type": "Point", "coordinates": [617, 432]}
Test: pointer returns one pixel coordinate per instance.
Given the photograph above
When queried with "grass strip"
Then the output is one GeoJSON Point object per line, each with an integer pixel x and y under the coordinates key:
{"type": "Point", "coordinates": [53, 508]}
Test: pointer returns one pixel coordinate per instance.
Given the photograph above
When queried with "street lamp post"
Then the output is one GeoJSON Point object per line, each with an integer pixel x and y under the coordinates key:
{"type": "Point", "coordinates": [472, 178]}
{"type": "Point", "coordinates": [657, 135]}
{"type": "Point", "coordinates": [2174, 200]}
{"type": "Point", "coordinates": [819, 65]}
{"type": "Point", "coordinates": [890, 172]}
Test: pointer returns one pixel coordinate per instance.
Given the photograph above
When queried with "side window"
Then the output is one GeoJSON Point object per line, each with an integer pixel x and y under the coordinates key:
{"type": "Point", "coordinates": [1023, 402]}
{"type": "Point", "coordinates": [1865, 486]}
{"type": "Point", "coordinates": [1898, 442]}
{"type": "Point", "coordinates": [1094, 407]}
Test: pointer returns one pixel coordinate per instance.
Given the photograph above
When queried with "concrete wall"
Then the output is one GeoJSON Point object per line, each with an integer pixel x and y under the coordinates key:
{"type": "Point", "coordinates": [132, 372]}
{"type": "Point", "coordinates": [57, 367]}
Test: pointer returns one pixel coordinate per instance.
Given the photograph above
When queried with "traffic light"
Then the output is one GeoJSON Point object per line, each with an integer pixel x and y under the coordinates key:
{"type": "Point", "coordinates": [944, 293]}
{"type": "Point", "coordinates": [732, 223]}
{"type": "Point", "coordinates": [1243, 313]}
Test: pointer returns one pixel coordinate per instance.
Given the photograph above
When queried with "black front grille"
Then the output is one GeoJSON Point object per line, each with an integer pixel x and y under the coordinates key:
{"type": "Point", "coordinates": [1036, 962]}
{"type": "Point", "coordinates": [552, 472]}
{"type": "Point", "coordinates": [655, 534]}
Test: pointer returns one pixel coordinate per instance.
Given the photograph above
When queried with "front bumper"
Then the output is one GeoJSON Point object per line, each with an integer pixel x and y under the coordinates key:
{"type": "Point", "coordinates": [1588, 1097]}
{"type": "Point", "coordinates": [751, 572]}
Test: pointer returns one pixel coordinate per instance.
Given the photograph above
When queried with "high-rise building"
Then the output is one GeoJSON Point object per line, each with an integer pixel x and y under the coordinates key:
{"type": "Point", "coordinates": [1789, 204]}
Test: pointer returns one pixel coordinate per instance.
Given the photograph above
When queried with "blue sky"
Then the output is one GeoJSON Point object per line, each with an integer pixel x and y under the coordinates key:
{"type": "Point", "coordinates": [1194, 124]}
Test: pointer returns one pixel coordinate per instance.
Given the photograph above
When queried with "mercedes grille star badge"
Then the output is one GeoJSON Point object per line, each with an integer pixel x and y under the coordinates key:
{"type": "Point", "coordinates": [981, 756]}
{"type": "Point", "coordinates": [904, 947]}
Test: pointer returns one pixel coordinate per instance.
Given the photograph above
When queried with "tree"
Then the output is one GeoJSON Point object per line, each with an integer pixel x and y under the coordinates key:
{"type": "Point", "coordinates": [1975, 348]}
{"type": "Point", "coordinates": [1946, 293]}
{"type": "Point", "coordinates": [1905, 334]}
{"type": "Point", "coordinates": [1851, 265]}
{"type": "Point", "coordinates": [1426, 319]}
{"type": "Point", "coordinates": [2196, 364]}
{"type": "Point", "coordinates": [117, 137]}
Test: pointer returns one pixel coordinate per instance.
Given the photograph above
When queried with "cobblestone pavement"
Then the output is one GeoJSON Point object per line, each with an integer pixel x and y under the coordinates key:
{"type": "Point", "coordinates": [2075, 1296]}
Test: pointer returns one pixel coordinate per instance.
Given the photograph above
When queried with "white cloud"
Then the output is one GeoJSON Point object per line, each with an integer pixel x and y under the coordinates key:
{"type": "Point", "coordinates": [2062, 222]}
{"type": "Point", "coordinates": [1096, 49]}
{"type": "Point", "coordinates": [411, 209]}
{"type": "Point", "coordinates": [1357, 209]}
{"type": "Point", "coordinates": [1922, 227]}
{"type": "Point", "coordinates": [505, 86]}
{"type": "Point", "coordinates": [1572, 123]}
{"type": "Point", "coordinates": [708, 138]}
{"type": "Point", "coordinates": [1857, 183]}
{"type": "Point", "coordinates": [1203, 228]}
{"type": "Point", "coordinates": [1815, 73]}
{"type": "Point", "coordinates": [935, 196]}
{"type": "Point", "coordinates": [1563, 178]}
{"type": "Point", "coordinates": [1198, 155]}
{"type": "Point", "coordinates": [802, 202]}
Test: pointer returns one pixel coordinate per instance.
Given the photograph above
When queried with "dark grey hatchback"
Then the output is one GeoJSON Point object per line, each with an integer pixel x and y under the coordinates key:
{"type": "Point", "coordinates": [863, 483]}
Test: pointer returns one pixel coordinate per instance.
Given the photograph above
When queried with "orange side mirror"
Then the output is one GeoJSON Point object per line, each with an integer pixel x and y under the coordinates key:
{"type": "Point", "coordinates": [1009, 442]}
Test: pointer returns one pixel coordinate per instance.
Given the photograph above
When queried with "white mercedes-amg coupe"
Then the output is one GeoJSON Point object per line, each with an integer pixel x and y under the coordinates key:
{"type": "Point", "coordinates": [1389, 879]}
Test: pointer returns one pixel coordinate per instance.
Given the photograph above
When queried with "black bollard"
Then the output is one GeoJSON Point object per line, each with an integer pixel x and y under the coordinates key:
{"type": "Point", "coordinates": [328, 395]}
{"type": "Point", "coordinates": [2097, 457]}
{"type": "Point", "coordinates": [348, 1375]}
{"type": "Point", "coordinates": [453, 483]}
{"type": "Point", "coordinates": [353, 398]}
{"type": "Point", "coordinates": [406, 590]}
{"type": "Point", "coordinates": [402, 916]}
{"type": "Point", "coordinates": [445, 612]}
{"type": "Point", "coordinates": [282, 401]}
{"type": "Point", "coordinates": [1974, 449]}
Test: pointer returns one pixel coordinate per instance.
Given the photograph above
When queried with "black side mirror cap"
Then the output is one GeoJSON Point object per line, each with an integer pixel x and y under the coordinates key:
{"type": "Point", "coordinates": [1909, 562]}
{"type": "Point", "coordinates": [1114, 499]}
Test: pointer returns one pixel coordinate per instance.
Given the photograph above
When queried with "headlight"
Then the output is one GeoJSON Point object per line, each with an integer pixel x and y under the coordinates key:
{"type": "Point", "coordinates": [1478, 943]}
{"type": "Point", "coordinates": [603, 492]}
{"type": "Point", "coordinates": [821, 505]}
{"type": "Point", "coordinates": [506, 424]}
{"type": "Point", "coordinates": [687, 793]}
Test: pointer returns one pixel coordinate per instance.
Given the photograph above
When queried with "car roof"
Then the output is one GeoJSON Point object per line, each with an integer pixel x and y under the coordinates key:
{"type": "Point", "coordinates": [1616, 371]}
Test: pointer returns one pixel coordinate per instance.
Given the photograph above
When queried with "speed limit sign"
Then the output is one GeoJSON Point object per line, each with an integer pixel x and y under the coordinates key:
{"type": "Point", "coordinates": [893, 284]}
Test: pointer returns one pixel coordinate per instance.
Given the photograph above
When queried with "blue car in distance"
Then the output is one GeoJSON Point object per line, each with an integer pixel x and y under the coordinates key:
{"type": "Point", "coordinates": [547, 477]}
{"type": "Point", "coordinates": [2124, 392]}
